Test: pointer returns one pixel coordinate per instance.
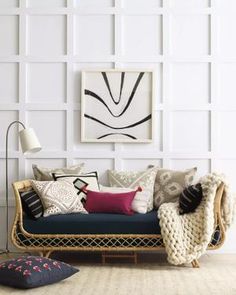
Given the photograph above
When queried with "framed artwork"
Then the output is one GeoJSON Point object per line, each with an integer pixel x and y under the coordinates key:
{"type": "Point", "coordinates": [117, 105]}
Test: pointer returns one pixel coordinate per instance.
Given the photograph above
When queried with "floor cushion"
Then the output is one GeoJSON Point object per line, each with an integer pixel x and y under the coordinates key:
{"type": "Point", "coordinates": [27, 272]}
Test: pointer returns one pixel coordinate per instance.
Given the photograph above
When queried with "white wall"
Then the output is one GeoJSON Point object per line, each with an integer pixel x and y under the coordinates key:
{"type": "Point", "coordinates": [190, 43]}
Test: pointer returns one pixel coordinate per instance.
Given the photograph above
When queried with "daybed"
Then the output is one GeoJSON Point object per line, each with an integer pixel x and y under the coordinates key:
{"type": "Point", "coordinates": [96, 232]}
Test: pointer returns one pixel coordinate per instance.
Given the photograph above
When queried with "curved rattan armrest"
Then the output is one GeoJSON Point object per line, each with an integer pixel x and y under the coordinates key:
{"type": "Point", "coordinates": [17, 186]}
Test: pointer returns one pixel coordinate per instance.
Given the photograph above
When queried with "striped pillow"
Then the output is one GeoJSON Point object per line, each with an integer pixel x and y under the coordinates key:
{"type": "Point", "coordinates": [32, 204]}
{"type": "Point", "coordinates": [190, 198]}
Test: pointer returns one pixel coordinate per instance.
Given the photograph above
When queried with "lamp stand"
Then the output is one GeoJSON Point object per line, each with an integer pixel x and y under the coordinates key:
{"type": "Point", "coordinates": [6, 250]}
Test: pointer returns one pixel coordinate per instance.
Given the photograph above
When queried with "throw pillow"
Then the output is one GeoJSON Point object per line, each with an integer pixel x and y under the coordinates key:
{"type": "Point", "coordinates": [190, 198]}
{"type": "Point", "coordinates": [170, 183]}
{"type": "Point", "coordinates": [58, 197]}
{"type": "Point", "coordinates": [140, 201]}
{"type": "Point", "coordinates": [102, 202]}
{"type": "Point", "coordinates": [28, 272]}
{"type": "Point", "coordinates": [45, 174]}
{"type": "Point", "coordinates": [131, 179]}
{"type": "Point", "coordinates": [31, 203]}
{"type": "Point", "coordinates": [90, 180]}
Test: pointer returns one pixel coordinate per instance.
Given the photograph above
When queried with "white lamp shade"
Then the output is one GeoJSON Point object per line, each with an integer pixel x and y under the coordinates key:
{"type": "Point", "coordinates": [29, 141]}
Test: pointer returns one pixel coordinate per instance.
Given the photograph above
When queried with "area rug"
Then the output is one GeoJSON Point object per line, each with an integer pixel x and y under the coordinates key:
{"type": "Point", "coordinates": [217, 275]}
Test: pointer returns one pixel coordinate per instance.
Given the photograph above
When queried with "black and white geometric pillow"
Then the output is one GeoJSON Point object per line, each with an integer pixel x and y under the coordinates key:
{"type": "Point", "coordinates": [190, 198]}
{"type": "Point", "coordinates": [32, 204]}
{"type": "Point", "coordinates": [90, 180]}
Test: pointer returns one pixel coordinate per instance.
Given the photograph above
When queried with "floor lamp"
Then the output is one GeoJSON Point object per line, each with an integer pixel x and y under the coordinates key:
{"type": "Point", "coordinates": [29, 144]}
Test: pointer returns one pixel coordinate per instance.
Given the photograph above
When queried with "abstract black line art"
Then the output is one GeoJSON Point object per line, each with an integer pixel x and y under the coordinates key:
{"type": "Point", "coordinates": [88, 92]}
{"type": "Point", "coordinates": [118, 100]}
{"type": "Point", "coordinates": [109, 89]}
{"type": "Point", "coordinates": [117, 128]}
{"type": "Point", "coordinates": [109, 134]}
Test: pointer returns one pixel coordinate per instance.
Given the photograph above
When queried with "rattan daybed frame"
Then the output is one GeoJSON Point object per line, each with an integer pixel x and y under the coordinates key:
{"type": "Point", "coordinates": [45, 244]}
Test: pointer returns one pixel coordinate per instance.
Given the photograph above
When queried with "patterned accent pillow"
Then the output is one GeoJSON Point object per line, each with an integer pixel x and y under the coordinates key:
{"type": "Point", "coordinates": [131, 179]}
{"type": "Point", "coordinates": [28, 272]}
{"type": "Point", "coordinates": [190, 198]}
{"type": "Point", "coordinates": [31, 203]}
{"type": "Point", "coordinates": [90, 180]}
{"type": "Point", "coordinates": [45, 174]}
{"type": "Point", "coordinates": [170, 183]}
{"type": "Point", "coordinates": [58, 197]}
{"type": "Point", "coordinates": [140, 201]}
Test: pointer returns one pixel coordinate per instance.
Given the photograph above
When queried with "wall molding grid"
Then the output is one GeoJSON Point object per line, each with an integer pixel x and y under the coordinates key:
{"type": "Point", "coordinates": [191, 114]}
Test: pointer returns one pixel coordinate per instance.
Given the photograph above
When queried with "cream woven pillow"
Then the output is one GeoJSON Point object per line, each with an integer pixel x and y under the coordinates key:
{"type": "Point", "coordinates": [45, 174]}
{"type": "Point", "coordinates": [58, 197]}
{"type": "Point", "coordinates": [132, 179]}
{"type": "Point", "coordinates": [170, 183]}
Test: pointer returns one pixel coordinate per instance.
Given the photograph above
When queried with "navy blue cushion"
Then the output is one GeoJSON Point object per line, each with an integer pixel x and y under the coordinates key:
{"type": "Point", "coordinates": [33, 271]}
{"type": "Point", "coordinates": [94, 223]}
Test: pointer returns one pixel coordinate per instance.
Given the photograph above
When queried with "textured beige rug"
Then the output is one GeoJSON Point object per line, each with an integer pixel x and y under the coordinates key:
{"type": "Point", "coordinates": [217, 275]}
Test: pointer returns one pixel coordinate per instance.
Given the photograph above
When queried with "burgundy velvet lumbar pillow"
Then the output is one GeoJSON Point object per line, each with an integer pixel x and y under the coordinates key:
{"type": "Point", "coordinates": [103, 202]}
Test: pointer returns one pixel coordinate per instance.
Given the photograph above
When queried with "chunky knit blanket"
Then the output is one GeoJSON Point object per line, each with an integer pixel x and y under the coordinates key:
{"type": "Point", "coordinates": [187, 236]}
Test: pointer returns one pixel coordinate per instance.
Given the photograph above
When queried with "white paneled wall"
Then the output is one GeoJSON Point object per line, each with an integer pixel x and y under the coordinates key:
{"type": "Point", "coordinates": [190, 44]}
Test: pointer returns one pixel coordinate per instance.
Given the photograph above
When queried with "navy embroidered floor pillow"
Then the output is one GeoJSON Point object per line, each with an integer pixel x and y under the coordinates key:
{"type": "Point", "coordinates": [33, 271]}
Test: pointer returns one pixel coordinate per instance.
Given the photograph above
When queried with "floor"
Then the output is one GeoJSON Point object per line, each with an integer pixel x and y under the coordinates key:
{"type": "Point", "coordinates": [152, 275]}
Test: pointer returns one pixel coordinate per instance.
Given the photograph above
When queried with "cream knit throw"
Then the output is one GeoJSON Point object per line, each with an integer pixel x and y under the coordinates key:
{"type": "Point", "coordinates": [187, 236]}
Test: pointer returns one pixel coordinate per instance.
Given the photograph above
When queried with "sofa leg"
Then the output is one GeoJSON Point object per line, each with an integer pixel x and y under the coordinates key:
{"type": "Point", "coordinates": [45, 254]}
{"type": "Point", "coordinates": [195, 263]}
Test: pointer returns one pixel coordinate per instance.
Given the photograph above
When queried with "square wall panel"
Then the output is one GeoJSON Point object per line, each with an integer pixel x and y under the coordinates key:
{"type": "Point", "coordinates": [12, 177]}
{"type": "Point", "coordinates": [228, 167]}
{"type": "Point", "coordinates": [77, 68]}
{"type": "Point", "coordinates": [139, 164]}
{"type": "Point", "coordinates": [189, 131]}
{"type": "Point", "coordinates": [9, 85]}
{"type": "Point", "coordinates": [141, 4]}
{"type": "Point", "coordinates": [203, 166]}
{"type": "Point", "coordinates": [94, 35]}
{"type": "Point", "coordinates": [46, 82]}
{"type": "Point", "coordinates": [190, 83]}
{"type": "Point", "coordinates": [6, 117]}
{"type": "Point", "coordinates": [48, 3]}
{"type": "Point", "coordinates": [9, 3]}
{"type": "Point", "coordinates": [227, 5]}
{"type": "Point", "coordinates": [190, 3]}
{"type": "Point", "coordinates": [142, 35]}
{"type": "Point", "coordinates": [9, 34]}
{"type": "Point", "coordinates": [46, 163]}
{"type": "Point", "coordinates": [99, 3]}
{"type": "Point", "coordinates": [226, 138]}
{"type": "Point", "coordinates": [190, 35]}
{"type": "Point", "coordinates": [50, 127]}
{"type": "Point", "coordinates": [49, 31]}
{"type": "Point", "coordinates": [226, 84]}
{"type": "Point", "coordinates": [83, 146]}
{"type": "Point", "coordinates": [227, 38]}
{"type": "Point", "coordinates": [99, 165]}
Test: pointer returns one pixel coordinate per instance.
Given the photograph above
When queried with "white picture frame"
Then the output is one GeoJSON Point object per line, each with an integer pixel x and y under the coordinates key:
{"type": "Point", "coordinates": [117, 105]}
